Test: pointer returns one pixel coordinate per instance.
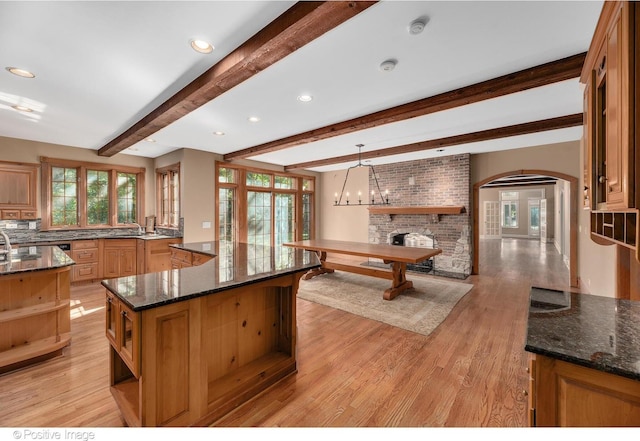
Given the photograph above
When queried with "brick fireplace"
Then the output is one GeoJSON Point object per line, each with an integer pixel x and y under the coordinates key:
{"type": "Point", "coordinates": [433, 182]}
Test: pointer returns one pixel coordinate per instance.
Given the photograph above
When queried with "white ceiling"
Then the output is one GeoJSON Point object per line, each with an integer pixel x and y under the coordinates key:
{"type": "Point", "coordinates": [102, 66]}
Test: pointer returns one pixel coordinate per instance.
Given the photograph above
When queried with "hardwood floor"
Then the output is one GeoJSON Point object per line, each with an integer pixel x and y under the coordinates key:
{"type": "Point", "coordinates": [352, 372]}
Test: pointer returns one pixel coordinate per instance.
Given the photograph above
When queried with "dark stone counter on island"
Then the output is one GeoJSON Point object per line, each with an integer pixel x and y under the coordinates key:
{"type": "Point", "coordinates": [596, 332]}
{"type": "Point", "coordinates": [234, 265]}
{"type": "Point", "coordinates": [34, 258]}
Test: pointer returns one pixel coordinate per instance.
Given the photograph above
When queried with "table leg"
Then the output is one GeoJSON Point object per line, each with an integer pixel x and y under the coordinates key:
{"type": "Point", "coordinates": [322, 255]}
{"type": "Point", "coordinates": [399, 283]}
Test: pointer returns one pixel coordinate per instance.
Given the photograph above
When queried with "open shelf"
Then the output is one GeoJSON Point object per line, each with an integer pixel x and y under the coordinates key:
{"type": "Point", "coordinates": [29, 311]}
{"type": "Point", "coordinates": [619, 227]}
{"type": "Point", "coordinates": [127, 395]}
{"type": "Point", "coordinates": [34, 349]}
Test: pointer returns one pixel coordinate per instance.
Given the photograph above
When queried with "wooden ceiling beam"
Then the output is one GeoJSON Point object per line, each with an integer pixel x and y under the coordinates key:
{"type": "Point", "coordinates": [299, 25]}
{"type": "Point", "coordinates": [561, 122]}
{"type": "Point", "coordinates": [542, 75]}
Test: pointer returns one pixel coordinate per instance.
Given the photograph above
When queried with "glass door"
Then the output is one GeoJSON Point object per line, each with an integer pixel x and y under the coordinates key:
{"type": "Point", "coordinates": [534, 217]}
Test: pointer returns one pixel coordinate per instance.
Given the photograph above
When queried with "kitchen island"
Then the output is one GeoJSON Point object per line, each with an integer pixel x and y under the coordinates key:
{"type": "Point", "coordinates": [35, 321]}
{"type": "Point", "coordinates": [585, 360]}
{"type": "Point", "coordinates": [189, 345]}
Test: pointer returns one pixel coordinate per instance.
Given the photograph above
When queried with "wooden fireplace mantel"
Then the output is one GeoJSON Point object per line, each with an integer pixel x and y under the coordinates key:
{"type": "Point", "coordinates": [445, 209]}
{"type": "Point", "coordinates": [433, 210]}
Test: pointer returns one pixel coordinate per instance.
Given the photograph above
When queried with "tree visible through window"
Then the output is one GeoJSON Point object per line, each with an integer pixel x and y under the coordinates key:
{"type": "Point", "coordinates": [64, 196]}
{"type": "Point", "coordinates": [84, 195]}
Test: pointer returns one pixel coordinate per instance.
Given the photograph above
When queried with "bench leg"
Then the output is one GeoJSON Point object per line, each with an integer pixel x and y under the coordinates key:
{"type": "Point", "coordinates": [322, 255]}
{"type": "Point", "coordinates": [399, 283]}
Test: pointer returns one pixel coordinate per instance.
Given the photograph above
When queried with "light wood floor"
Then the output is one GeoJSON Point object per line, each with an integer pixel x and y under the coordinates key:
{"type": "Point", "coordinates": [470, 372]}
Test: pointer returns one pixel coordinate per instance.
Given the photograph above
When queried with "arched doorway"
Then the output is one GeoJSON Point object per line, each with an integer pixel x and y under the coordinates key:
{"type": "Point", "coordinates": [573, 217]}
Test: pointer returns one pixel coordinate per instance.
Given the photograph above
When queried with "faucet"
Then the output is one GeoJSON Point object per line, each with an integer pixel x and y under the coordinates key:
{"type": "Point", "coordinates": [140, 232]}
{"type": "Point", "coordinates": [7, 243]}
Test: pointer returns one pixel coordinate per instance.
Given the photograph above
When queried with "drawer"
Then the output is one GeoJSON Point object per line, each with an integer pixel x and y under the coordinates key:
{"type": "Point", "coordinates": [28, 214]}
{"type": "Point", "coordinates": [10, 214]}
{"type": "Point", "coordinates": [85, 271]}
{"type": "Point", "coordinates": [84, 244]}
{"type": "Point", "coordinates": [85, 255]}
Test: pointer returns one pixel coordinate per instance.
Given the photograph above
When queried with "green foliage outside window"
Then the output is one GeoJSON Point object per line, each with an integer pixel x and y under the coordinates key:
{"type": "Point", "coordinates": [97, 197]}
{"type": "Point", "coordinates": [64, 198]}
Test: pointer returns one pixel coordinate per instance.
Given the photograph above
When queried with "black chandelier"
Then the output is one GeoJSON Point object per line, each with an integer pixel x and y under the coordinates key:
{"type": "Point", "coordinates": [380, 200]}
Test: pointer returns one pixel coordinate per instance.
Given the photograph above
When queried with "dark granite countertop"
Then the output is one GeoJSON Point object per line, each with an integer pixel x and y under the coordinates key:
{"type": "Point", "coordinates": [206, 248]}
{"type": "Point", "coordinates": [35, 258]}
{"type": "Point", "coordinates": [235, 265]}
{"type": "Point", "coordinates": [602, 333]}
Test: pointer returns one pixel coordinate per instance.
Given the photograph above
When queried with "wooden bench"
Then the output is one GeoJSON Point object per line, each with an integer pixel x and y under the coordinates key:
{"type": "Point", "coordinates": [397, 256]}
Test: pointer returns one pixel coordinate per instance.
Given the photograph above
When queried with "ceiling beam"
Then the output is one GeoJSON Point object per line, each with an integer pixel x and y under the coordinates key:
{"type": "Point", "coordinates": [542, 75]}
{"type": "Point", "coordinates": [299, 25]}
{"type": "Point", "coordinates": [544, 125]}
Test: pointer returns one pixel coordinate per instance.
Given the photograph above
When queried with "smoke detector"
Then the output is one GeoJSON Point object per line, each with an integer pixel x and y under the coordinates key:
{"type": "Point", "coordinates": [388, 65]}
{"type": "Point", "coordinates": [418, 25]}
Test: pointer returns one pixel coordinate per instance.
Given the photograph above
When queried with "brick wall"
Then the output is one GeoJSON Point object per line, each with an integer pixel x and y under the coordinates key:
{"type": "Point", "coordinates": [428, 182]}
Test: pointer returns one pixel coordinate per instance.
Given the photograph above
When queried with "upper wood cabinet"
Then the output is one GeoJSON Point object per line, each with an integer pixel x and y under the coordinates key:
{"type": "Point", "coordinates": [608, 75]}
{"type": "Point", "coordinates": [18, 190]}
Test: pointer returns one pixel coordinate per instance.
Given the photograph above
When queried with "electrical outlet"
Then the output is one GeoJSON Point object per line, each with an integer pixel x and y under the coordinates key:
{"type": "Point", "coordinates": [12, 226]}
{"type": "Point", "coordinates": [32, 225]}
{"type": "Point", "coordinates": [206, 224]}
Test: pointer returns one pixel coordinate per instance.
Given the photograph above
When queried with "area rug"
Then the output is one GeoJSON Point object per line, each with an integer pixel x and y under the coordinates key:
{"type": "Point", "coordinates": [420, 309]}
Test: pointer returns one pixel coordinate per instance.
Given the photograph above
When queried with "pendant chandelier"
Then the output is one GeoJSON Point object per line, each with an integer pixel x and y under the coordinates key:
{"type": "Point", "coordinates": [373, 200]}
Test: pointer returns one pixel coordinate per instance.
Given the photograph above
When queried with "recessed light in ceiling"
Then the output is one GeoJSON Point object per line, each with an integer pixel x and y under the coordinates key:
{"type": "Point", "coordinates": [254, 119]}
{"type": "Point", "coordinates": [20, 72]}
{"type": "Point", "coordinates": [418, 25]}
{"type": "Point", "coordinates": [305, 98]}
{"type": "Point", "coordinates": [218, 133]}
{"type": "Point", "coordinates": [150, 140]}
{"type": "Point", "coordinates": [201, 46]}
{"type": "Point", "coordinates": [388, 65]}
{"type": "Point", "coordinates": [22, 108]}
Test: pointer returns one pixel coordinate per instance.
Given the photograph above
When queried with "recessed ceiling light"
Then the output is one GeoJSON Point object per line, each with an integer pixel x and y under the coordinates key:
{"type": "Point", "coordinates": [305, 98]}
{"type": "Point", "coordinates": [254, 119]}
{"type": "Point", "coordinates": [22, 108]}
{"type": "Point", "coordinates": [201, 46]}
{"type": "Point", "coordinates": [218, 133]}
{"type": "Point", "coordinates": [20, 72]}
{"type": "Point", "coordinates": [150, 140]}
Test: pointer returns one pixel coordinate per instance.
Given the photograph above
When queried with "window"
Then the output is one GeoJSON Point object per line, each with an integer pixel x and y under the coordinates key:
{"type": "Point", "coordinates": [509, 214]}
{"type": "Point", "coordinates": [262, 207]}
{"type": "Point", "coordinates": [97, 197]}
{"type": "Point", "coordinates": [168, 196]}
{"type": "Point", "coordinates": [87, 195]}
{"type": "Point", "coordinates": [64, 200]}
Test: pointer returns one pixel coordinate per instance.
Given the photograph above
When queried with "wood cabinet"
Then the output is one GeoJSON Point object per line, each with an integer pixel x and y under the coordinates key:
{"type": "Point", "coordinates": [610, 102]}
{"type": "Point", "coordinates": [34, 316]}
{"type": "Point", "coordinates": [610, 108]}
{"type": "Point", "coordinates": [18, 183]}
{"type": "Point", "coordinates": [119, 258]}
{"type": "Point", "coordinates": [201, 358]}
{"type": "Point", "coordinates": [154, 255]}
{"type": "Point", "coordinates": [568, 395]}
{"type": "Point", "coordinates": [123, 332]}
{"type": "Point", "coordinates": [86, 255]}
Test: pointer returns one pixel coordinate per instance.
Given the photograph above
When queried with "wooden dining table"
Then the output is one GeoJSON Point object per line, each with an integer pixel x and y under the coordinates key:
{"type": "Point", "coordinates": [397, 256]}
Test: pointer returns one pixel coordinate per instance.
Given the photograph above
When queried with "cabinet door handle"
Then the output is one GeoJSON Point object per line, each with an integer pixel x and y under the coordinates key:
{"type": "Point", "coordinates": [602, 179]}
{"type": "Point", "coordinates": [124, 313]}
